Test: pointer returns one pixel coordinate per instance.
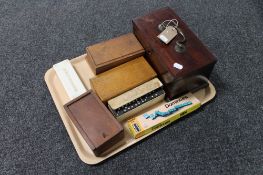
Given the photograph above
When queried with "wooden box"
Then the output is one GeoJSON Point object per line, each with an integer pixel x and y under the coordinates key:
{"type": "Point", "coordinates": [122, 78]}
{"type": "Point", "coordinates": [109, 54]}
{"type": "Point", "coordinates": [95, 123]}
{"type": "Point", "coordinates": [195, 60]}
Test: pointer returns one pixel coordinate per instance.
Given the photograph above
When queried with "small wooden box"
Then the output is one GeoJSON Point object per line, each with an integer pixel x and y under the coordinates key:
{"type": "Point", "coordinates": [109, 54]}
{"type": "Point", "coordinates": [95, 123]}
{"type": "Point", "coordinates": [196, 60]}
{"type": "Point", "coordinates": [120, 79]}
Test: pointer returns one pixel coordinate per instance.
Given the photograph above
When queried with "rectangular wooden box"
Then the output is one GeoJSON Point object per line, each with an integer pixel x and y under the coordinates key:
{"type": "Point", "coordinates": [95, 123]}
{"type": "Point", "coordinates": [109, 54]}
{"type": "Point", "coordinates": [196, 60]}
{"type": "Point", "coordinates": [122, 78]}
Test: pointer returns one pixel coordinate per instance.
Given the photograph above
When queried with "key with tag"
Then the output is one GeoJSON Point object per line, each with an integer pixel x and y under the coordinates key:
{"type": "Point", "coordinates": [168, 34]}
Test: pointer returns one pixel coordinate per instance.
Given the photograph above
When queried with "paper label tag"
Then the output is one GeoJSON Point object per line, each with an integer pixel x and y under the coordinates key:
{"type": "Point", "coordinates": [69, 79]}
{"type": "Point", "coordinates": [168, 34]}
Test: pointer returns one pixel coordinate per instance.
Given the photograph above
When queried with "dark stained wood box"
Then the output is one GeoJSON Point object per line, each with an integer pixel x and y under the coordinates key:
{"type": "Point", "coordinates": [196, 60]}
{"type": "Point", "coordinates": [95, 123]}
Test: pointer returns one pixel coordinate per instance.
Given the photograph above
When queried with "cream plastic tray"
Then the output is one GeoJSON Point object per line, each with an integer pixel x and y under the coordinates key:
{"type": "Point", "coordinates": [60, 98]}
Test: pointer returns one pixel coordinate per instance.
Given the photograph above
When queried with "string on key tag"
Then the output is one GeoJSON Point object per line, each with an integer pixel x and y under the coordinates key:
{"type": "Point", "coordinates": [172, 22]}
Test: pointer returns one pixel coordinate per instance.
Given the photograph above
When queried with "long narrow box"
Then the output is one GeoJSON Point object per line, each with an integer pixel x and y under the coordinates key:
{"type": "Point", "coordinates": [137, 99]}
{"type": "Point", "coordinates": [120, 79]}
{"type": "Point", "coordinates": [95, 123]}
{"type": "Point", "coordinates": [172, 66]}
{"type": "Point", "coordinates": [163, 115]}
{"type": "Point", "coordinates": [114, 52]}
{"type": "Point", "coordinates": [69, 79]}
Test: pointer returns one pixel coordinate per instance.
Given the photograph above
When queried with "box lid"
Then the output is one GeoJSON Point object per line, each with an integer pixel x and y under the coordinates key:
{"type": "Point", "coordinates": [116, 48]}
{"type": "Point", "coordinates": [96, 124]}
{"type": "Point", "coordinates": [122, 78]}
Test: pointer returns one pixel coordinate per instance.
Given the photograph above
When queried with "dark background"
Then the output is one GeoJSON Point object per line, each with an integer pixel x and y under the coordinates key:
{"type": "Point", "coordinates": [224, 137]}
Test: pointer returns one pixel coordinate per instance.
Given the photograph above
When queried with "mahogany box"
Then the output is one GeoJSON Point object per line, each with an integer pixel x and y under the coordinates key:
{"type": "Point", "coordinates": [95, 123]}
{"type": "Point", "coordinates": [195, 60]}
{"type": "Point", "coordinates": [114, 52]}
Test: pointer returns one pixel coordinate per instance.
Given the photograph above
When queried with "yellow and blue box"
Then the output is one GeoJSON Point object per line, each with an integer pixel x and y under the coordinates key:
{"type": "Point", "coordinates": [163, 115]}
